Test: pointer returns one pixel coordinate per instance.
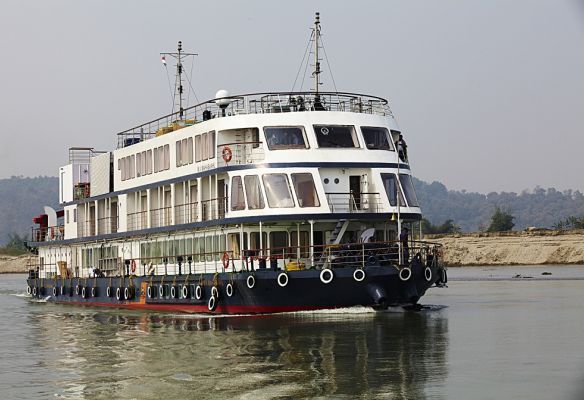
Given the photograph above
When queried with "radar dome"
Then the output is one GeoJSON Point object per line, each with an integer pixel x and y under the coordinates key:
{"type": "Point", "coordinates": [222, 102]}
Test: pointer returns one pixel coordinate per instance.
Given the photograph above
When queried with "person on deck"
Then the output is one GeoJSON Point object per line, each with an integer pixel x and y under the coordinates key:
{"type": "Point", "coordinates": [403, 238]}
{"type": "Point", "coordinates": [402, 148]}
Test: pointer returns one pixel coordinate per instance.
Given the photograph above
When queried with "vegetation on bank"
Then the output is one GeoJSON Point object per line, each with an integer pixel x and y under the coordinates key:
{"type": "Point", "coordinates": [16, 246]}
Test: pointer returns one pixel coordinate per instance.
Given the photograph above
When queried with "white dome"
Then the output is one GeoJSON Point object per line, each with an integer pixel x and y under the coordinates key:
{"type": "Point", "coordinates": [222, 102]}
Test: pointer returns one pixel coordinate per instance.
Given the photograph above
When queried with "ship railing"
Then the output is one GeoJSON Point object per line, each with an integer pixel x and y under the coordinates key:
{"type": "Point", "coordinates": [137, 220]}
{"type": "Point", "coordinates": [340, 202]}
{"type": "Point", "coordinates": [107, 225]}
{"type": "Point", "coordinates": [239, 153]}
{"type": "Point", "coordinates": [213, 208]}
{"type": "Point", "coordinates": [160, 217]}
{"type": "Point", "coordinates": [48, 234]}
{"type": "Point", "coordinates": [255, 103]}
{"type": "Point", "coordinates": [186, 213]}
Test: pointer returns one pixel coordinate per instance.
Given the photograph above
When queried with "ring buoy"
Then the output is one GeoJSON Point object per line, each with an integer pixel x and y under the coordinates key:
{"type": "Point", "coordinates": [62, 290]}
{"type": "Point", "coordinates": [161, 291]}
{"type": "Point", "coordinates": [359, 275]}
{"type": "Point", "coordinates": [326, 276]}
{"type": "Point", "coordinates": [77, 290]}
{"type": "Point", "coordinates": [229, 290]}
{"type": "Point", "coordinates": [118, 293]}
{"type": "Point", "coordinates": [212, 303]}
{"type": "Point", "coordinates": [54, 290]}
{"type": "Point", "coordinates": [149, 292]}
{"type": "Point", "coordinates": [94, 292]}
{"type": "Point", "coordinates": [225, 260]}
{"type": "Point", "coordinates": [34, 291]}
{"type": "Point", "coordinates": [173, 292]}
{"type": "Point", "coordinates": [83, 293]}
{"type": "Point", "coordinates": [126, 293]}
{"type": "Point", "coordinates": [28, 290]}
{"type": "Point", "coordinates": [185, 292]}
{"type": "Point", "coordinates": [198, 292]}
{"type": "Point", "coordinates": [405, 274]}
{"type": "Point", "coordinates": [428, 274]}
{"type": "Point", "coordinates": [215, 292]}
{"type": "Point", "coordinates": [250, 281]}
{"type": "Point", "coordinates": [227, 154]}
{"type": "Point", "coordinates": [282, 279]}
{"type": "Point", "coordinates": [133, 268]}
{"type": "Point", "coordinates": [108, 291]}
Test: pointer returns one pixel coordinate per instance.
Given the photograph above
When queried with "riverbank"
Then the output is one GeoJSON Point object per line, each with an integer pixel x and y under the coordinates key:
{"type": "Point", "coordinates": [14, 264]}
{"type": "Point", "coordinates": [532, 247]}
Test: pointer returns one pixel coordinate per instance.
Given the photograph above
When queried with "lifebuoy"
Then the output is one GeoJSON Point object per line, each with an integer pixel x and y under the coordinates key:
{"type": "Point", "coordinates": [161, 291]}
{"type": "Point", "coordinates": [34, 291]}
{"type": "Point", "coordinates": [405, 274]}
{"type": "Point", "coordinates": [93, 291]}
{"type": "Point", "coordinates": [28, 290]}
{"type": "Point", "coordinates": [108, 291]}
{"type": "Point", "coordinates": [118, 293]}
{"type": "Point", "coordinates": [149, 292]}
{"type": "Point", "coordinates": [126, 293]}
{"type": "Point", "coordinates": [359, 275]}
{"type": "Point", "coordinates": [225, 260]}
{"type": "Point", "coordinates": [185, 292]}
{"type": "Point", "coordinates": [83, 293]}
{"type": "Point", "coordinates": [133, 268]}
{"type": "Point", "coordinates": [428, 274]}
{"type": "Point", "coordinates": [62, 290]}
{"type": "Point", "coordinates": [214, 292]}
{"type": "Point", "coordinates": [282, 279]}
{"type": "Point", "coordinates": [212, 303]}
{"type": "Point", "coordinates": [198, 292]}
{"type": "Point", "coordinates": [326, 276]}
{"type": "Point", "coordinates": [54, 291]}
{"type": "Point", "coordinates": [227, 154]}
{"type": "Point", "coordinates": [250, 281]}
{"type": "Point", "coordinates": [77, 290]}
{"type": "Point", "coordinates": [229, 290]}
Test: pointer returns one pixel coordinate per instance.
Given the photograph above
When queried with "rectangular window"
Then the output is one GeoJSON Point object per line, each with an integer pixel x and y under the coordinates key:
{"type": "Point", "coordinates": [143, 163]}
{"type": "Point", "coordinates": [178, 153]}
{"type": "Point", "coordinates": [278, 191]}
{"type": "Point", "coordinates": [75, 215]}
{"type": "Point", "coordinates": [237, 201]}
{"type": "Point", "coordinates": [156, 160]}
{"type": "Point", "coordinates": [166, 157]}
{"type": "Point", "coordinates": [138, 164]}
{"type": "Point", "coordinates": [305, 190]}
{"type": "Point", "coordinates": [190, 150]}
{"type": "Point", "coordinates": [184, 156]}
{"type": "Point", "coordinates": [285, 137]}
{"type": "Point", "coordinates": [278, 240]}
{"type": "Point", "coordinates": [204, 147]}
{"type": "Point", "coordinates": [253, 192]}
{"type": "Point", "coordinates": [132, 166]}
{"type": "Point", "coordinates": [66, 216]}
{"type": "Point", "coordinates": [198, 148]}
{"type": "Point", "coordinates": [211, 143]}
{"type": "Point", "coordinates": [392, 189]}
{"type": "Point", "coordinates": [376, 138]}
{"type": "Point", "coordinates": [122, 169]}
{"type": "Point", "coordinates": [334, 136]}
{"type": "Point", "coordinates": [408, 188]}
{"type": "Point", "coordinates": [149, 162]}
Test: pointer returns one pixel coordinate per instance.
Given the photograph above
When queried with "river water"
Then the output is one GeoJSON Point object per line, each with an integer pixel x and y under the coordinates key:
{"type": "Point", "coordinates": [495, 333]}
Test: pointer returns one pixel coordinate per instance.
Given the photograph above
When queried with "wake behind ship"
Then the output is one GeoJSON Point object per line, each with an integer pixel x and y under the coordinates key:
{"type": "Point", "coordinates": [254, 203]}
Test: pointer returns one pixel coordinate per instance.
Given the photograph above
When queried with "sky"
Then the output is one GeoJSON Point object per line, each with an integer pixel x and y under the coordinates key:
{"type": "Point", "coordinates": [489, 94]}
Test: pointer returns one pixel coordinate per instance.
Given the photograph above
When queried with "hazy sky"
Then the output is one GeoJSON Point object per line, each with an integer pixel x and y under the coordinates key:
{"type": "Point", "coordinates": [489, 94]}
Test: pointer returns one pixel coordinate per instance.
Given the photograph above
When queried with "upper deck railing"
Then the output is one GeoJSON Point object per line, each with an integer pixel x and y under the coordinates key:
{"type": "Point", "coordinates": [256, 103]}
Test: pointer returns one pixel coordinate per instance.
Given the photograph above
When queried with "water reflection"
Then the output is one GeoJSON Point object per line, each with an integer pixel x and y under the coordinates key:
{"type": "Point", "coordinates": [113, 354]}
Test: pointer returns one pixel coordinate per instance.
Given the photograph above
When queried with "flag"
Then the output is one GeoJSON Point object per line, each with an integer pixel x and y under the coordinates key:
{"type": "Point", "coordinates": [164, 60]}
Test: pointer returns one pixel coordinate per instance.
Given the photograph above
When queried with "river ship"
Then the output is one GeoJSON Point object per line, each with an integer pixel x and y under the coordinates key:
{"type": "Point", "coordinates": [251, 203]}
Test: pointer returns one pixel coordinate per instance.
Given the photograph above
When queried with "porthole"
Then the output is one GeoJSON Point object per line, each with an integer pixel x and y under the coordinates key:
{"type": "Point", "coordinates": [337, 181]}
{"type": "Point", "coordinates": [326, 181]}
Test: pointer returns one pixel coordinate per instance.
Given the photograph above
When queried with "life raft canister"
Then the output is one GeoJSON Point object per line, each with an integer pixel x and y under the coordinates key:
{"type": "Point", "coordinates": [225, 260]}
{"type": "Point", "coordinates": [227, 154]}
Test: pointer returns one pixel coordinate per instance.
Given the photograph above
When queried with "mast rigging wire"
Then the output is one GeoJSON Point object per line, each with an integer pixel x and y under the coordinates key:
{"type": "Point", "coordinates": [302, 63]}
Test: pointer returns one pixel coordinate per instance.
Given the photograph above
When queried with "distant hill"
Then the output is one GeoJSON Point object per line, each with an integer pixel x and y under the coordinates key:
{"type": "Point", "coordinates": [23, 198]}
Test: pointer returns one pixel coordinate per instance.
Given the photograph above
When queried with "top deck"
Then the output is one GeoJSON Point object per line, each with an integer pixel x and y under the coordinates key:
{"type": "Point", "coordinates": [256, 103]}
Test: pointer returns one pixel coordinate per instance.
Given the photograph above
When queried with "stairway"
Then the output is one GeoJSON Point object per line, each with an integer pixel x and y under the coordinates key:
{"type": "Point", "coordinates": [336, 237]}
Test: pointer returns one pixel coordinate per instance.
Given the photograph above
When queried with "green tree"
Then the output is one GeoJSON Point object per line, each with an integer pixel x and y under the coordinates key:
{"type": "Point", "coordinates": [447, 226]}
{"type": "Point", "coordinates": [501, 221]}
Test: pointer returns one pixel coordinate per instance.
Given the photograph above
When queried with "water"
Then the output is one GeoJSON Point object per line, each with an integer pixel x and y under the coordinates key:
{"type": "Point", "coordinates": [488, 336]}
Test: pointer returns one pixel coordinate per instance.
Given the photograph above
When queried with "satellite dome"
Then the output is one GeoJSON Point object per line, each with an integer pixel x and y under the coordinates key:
{"type": "Point", "coordinates": [222, 102]}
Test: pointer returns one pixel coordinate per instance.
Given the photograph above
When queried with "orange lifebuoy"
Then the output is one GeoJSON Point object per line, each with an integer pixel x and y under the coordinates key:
{"type": "Point", "coordinates": [133, 266]}
{"type": "Point", "coordinates": [225, 260]}
{"type": "Point", "coordinates": [226, 154]}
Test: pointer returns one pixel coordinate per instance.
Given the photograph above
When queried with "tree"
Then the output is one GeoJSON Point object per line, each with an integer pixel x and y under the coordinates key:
{"type": "Point", "coordinates": [501, 221]}
{"type": "Point", "coordinates": [447, 226]}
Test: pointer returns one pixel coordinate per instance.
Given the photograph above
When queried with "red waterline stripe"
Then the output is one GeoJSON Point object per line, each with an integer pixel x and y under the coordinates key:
{"type": "Point", "coordinates": [197, 308]}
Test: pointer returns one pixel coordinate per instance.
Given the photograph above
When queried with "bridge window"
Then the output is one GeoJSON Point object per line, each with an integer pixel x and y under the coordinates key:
{"type": "Point", "coordinates": [237, 201]}
{"type": "Point", "coordinates": [285, 137]}
{"type": "Point", "coordinates": [408, 188]}
{"type": "Point", "coordinates": [305, 190]}
{"type": "Point", "coordinates": [376, 138]}
{"type": "Point", "coordinates": [278, 191]}
{"type": "Point", "coordinates": [392, 189]}
{"type": "Point", "coordinates": [253, 192]}
{"type": "Point", "coordinates": [332, 136]}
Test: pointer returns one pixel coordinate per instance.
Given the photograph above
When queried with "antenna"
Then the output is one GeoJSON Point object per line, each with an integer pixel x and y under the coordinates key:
{"type": "Point", "coordinates": [317, 71]}
{"type": "Point", "coordinates": [179, 56]}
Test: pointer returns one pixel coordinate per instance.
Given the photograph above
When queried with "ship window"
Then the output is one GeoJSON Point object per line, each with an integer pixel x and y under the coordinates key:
{"type": "Point", "coordinates": [143, 163]}
{"type": "Point", "coordinates": [204, 147]}
{"type": "Point", "coordinates": [74, 215]}
{"type": "Point", "coordinates": [190, 150]}
{"type": "Point", "coordinates": [253, 192]}
{"type": "Point", "coordinates": [254, 240]}
{"type": "Point", "coordinates": [408, 188]}
{"type": "Point", "coordinates": [278, 240]}
{"type": "Point", "coordinates": [138, 164]}
{"type": "Point", "coordinates": [305, 190]}
{"type": "Point", "coordinates": [198, 148]}
{"type": "Point", "coordinates": [336, 136]}
{"type": "Point", "coordinates": [391, 189]}
{"type": "Point", "coordinates": [285, 137]}
{"type": "Point", "coordinates": [132, 166]}
{"type": "Point", "coordinates": [376, 138]}
{"type": "Point", "coordinates": [184, 154]}
{"type": "Point", "coordinates": [278, 190]}
{"type": "Point", "coordinates": [304, 243]}
{"type": "Point", "coordinates": [178, 153]}
{"type": "Point", "coordinates": [149, 162]}
{"type": "Point", "coordinates": [166, 156]}
{"type": "Point", "coordinates": [237, 201]}
{"type": "Point", "coordinates": [156, 160]}
{"type": "Point", "coordinates": [211, 144]}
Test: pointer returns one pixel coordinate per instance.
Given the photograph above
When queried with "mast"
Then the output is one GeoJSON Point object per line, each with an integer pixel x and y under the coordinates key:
{"type": "Point", "coordinates": [179, 56]}
{"type": "Point", "coordinates": [316, 73]}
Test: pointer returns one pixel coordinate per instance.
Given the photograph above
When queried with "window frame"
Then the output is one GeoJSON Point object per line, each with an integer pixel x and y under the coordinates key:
{"type": "Point", "coordinates": [304, 146]}
{"type": "Point", "coordinates": [354, 136]}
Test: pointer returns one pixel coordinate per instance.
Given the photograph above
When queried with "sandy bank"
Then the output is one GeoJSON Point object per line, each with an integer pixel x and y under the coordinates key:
{"type": "Point", "coordinates": [513, 248]}
{"type": "Point", "coordinates": [12, 264]}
